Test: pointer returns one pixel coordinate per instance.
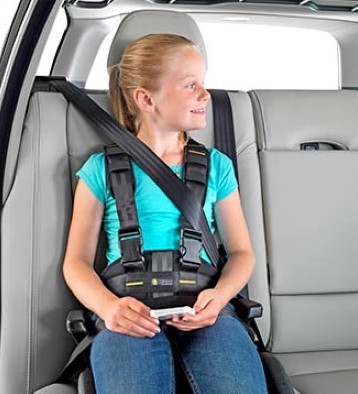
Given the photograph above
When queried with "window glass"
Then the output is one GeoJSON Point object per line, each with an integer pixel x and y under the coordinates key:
{"type": "Point", "coordinates": [59, 26]}
{"type": "Point", "coordinates": [52, 43]}
{"type": "Point", "coordinates": [98, 76]}
{"type": "Point", "coordinates": [6, 16]}
{"type": "Point", "coordinates": [246, 56]}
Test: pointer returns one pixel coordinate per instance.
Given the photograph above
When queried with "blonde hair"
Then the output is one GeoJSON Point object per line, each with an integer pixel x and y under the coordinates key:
{"type": "Point", "coordinates": [143, 64]}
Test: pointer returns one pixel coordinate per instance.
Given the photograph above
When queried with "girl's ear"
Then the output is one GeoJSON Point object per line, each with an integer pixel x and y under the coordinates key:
{"type": "Point", "coordinates": [143, 99]}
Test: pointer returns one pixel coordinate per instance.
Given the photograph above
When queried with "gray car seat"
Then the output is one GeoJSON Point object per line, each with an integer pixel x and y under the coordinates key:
{"type": "Point", "coordinates": [307, 156]}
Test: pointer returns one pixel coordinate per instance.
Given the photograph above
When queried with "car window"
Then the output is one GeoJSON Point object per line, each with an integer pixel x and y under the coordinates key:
{"type": "Point", "coordinates": [257, 57]}
{"type": "Point", "coordinates": [98, 76]}
{"type": "Point", "coordinates": [269, 57]}
{"type": "Point", "coordinates": [6, 16]}
{"type": "Point", "coordinates": [52, 43]}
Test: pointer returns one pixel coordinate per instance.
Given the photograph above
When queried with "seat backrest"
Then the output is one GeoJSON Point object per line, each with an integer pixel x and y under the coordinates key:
{"type": "Point", "coordinates": [35, 222]}
{"type": "Point", "coordinates": [308, 155]}
{"type": "Point", "coordinates": [251, 200]}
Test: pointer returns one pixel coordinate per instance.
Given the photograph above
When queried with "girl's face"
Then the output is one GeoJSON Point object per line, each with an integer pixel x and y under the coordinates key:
{"type": "Point", "coordinates": [181, 101]}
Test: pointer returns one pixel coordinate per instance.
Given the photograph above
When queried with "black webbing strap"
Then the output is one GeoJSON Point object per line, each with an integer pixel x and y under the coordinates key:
{"type": "Point", "coordinates": [176, 190]}
{"type": "Point", "coordinates": [224, 132]}
{"type": "Point", "coordinates": [121, 184]}
{"type": "Point", "coordinates": [196, 169]}
{"type": "Point", "coordinates": [74, 365]}
{"type": "Point", "coordinates": [195, 174]}
{"type": "Point", "coordinates": [224, 140]}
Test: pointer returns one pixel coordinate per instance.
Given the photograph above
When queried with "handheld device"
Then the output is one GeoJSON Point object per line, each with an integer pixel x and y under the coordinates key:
{"type": "Point", "coordinates": [169, 313]}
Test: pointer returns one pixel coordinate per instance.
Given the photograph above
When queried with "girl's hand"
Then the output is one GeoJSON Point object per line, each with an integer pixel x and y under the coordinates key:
{"type": "Point", "coordinates": [129, 316]}
{"type": "Point", "coordinates": [207, 307]}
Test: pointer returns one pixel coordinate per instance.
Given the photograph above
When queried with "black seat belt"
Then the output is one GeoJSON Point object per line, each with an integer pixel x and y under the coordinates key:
{"type": "Point", "coordinates": [225, 141]}
{"type": "Point", "coordinates": [176, 190]}
{"type": "Point", "coordinates": [224, 132]}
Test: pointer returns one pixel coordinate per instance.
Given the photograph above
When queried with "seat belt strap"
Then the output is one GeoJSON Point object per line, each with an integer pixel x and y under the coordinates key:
{"type": "Point", "coordinates": [73, 366]}
{"type": "Point", "coordinates": [176, 190]}
{"type": "Point", "coordinates": [224, 135]}
{"type": "Point", "coordinates": [224, 132]}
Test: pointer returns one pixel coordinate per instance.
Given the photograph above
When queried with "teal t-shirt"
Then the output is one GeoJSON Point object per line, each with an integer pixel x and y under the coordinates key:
{"type": "Point", "coordinates": [159, 219]}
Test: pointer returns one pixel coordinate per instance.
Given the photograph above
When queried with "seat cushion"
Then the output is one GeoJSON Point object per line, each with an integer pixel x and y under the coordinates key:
{"type": "Point", "coordinates": [57, 389]}
{"type": "Point", "coordinates": [323, 372]}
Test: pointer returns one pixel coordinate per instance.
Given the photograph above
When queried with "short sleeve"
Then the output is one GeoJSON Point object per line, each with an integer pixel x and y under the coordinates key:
{"type": "Point", "coordinates": [93, 173]}
{"type": "Point", "coordinates": [225, 181]}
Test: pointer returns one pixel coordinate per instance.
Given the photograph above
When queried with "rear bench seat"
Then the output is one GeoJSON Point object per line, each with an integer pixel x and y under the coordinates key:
{"type": "Point", "coordinates": [310, 214]}
{"type": "Point", "coordinates": [301, 208]}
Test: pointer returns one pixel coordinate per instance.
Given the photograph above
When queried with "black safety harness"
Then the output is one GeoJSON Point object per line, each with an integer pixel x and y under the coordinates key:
{"type": "Point", "coordinates": [158, 278]}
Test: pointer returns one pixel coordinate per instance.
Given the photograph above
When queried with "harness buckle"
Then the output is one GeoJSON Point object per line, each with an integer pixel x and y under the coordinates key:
{"type": "Point", "coordinates": [190, 247]}
{"type": "Point", "coordinates": [131, 244]}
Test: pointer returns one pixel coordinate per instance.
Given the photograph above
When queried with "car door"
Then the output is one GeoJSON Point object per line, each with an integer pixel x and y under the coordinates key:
{"type": "Point", "coordinates": [18, 64]}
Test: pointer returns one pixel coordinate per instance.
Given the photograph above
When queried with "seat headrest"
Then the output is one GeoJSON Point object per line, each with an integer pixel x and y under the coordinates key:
{"type": "Point", "coordinates": [289, 118]}
{"type": "Point", "coordinates": [140, 23]}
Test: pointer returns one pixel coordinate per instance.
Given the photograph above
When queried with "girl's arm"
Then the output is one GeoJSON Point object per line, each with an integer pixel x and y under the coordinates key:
{"type": "Point", "coordinates": [126, 315]}
{"type": "Point", "coordinates": [235, 237]}
{"type": "Point", "coordinates": [236, 272]}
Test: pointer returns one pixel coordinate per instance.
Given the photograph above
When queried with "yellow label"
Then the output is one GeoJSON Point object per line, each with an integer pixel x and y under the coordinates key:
{"type": "Point", "coordinates": [135, 283]}
{"type": "Point", "coordinates": [187, 281]}
{"type": "Point", "coordinates": [198, 153]}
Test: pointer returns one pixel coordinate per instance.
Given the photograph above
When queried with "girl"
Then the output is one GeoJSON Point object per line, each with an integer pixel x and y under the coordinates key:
{"type": "Point", "coordinates": [157, 92]}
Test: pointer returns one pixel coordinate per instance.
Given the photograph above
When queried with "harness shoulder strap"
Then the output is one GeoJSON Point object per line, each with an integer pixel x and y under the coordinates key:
{"type": "Point", "coordinates": [121, 184]}
{"type": "Point", "coordinates": [195, 174]}
{"type": "Point", "coordinates": [196, 169]}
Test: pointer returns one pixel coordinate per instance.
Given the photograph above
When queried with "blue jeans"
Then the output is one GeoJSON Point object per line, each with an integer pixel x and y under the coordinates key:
{"type": "Point", "coordinates": [217, 359]}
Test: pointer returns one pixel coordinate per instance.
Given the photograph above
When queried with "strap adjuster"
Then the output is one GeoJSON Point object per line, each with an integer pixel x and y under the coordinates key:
{"type": "Point", "coordinates": [76, 325]}
{"type": "Point", "coordinates": [129, 232]}
{"type": "Point", "coordinates": [191, 243]}
{"type": "Point", "coordinates": [131, 244]}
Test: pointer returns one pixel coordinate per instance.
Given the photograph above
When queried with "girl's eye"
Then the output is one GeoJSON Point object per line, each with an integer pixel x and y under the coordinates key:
{"type": "Point", "coordinates": [192, 85]}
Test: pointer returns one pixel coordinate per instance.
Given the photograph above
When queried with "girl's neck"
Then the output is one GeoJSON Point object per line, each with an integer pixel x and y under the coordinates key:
{"type": "Point", "coordinates": [165, 145]}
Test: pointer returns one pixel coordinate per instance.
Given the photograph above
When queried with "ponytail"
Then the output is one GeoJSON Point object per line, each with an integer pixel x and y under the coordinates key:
{"type": "Point", "coordinates": [119, 102]}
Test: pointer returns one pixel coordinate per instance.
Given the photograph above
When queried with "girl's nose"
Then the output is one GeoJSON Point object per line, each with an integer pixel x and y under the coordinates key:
{"type": "Point", "coordinates": [204, 95]}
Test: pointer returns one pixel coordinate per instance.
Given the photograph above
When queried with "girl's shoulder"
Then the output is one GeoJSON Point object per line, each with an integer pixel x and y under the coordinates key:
{"type": "Point", "coordinates": [94, 165]}
{"type": "Point", "coordinates": [95, 160]}
{"type": "Point", "coordinates": [219, 159]}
